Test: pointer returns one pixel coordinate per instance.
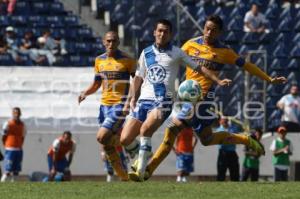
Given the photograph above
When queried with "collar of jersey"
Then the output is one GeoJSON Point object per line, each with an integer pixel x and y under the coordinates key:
{"type": "Point", "coordinates": [161, 50]}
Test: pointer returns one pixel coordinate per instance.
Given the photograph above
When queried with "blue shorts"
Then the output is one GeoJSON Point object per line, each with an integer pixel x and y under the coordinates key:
{"type": "Point", "coordinates": [108, 168]}
{"type": "Point", "coordinates": [60, 166]}
{"type": "Point", "coordinates": [143, 107]}
{"type": "Point", "coordinates": [185, 162]}
{"type": "Point", "coordinates": [13, 160]}
{"type": "Point", "coordinates": [111, 117]}
{"type": "Point", "coordinates": [198, 116]}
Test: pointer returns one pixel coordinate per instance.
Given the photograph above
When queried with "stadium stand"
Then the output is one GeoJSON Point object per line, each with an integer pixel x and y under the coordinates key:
{"type": "Point", "coordinates": [38, 15]}
{"type": "Point", "coordinates": [282, 55]}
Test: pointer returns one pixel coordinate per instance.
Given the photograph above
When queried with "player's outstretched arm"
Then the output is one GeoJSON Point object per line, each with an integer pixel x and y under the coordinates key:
{"type": "Point", "coordinates": [90, 90]}
{"type": "Point", "coordinates": [256, 71]}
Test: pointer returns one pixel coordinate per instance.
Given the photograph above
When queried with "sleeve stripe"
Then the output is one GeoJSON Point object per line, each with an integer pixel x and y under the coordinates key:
{"type": "Point", "coordinates": [97, 77]}
{"type": "Point", "coordinates": [240, 62]}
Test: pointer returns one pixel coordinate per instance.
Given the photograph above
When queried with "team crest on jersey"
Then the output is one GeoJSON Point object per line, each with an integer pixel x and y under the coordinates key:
{"type": "Point", "coordinates": [156, 74]}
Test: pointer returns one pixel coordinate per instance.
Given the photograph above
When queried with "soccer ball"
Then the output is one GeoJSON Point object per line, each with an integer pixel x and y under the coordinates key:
{"type": "Point", "coordinates": [189, 90]}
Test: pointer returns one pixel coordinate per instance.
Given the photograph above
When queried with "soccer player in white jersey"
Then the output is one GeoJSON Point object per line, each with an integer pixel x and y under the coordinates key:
{"type": "Point", "coordinates": [153, 92]}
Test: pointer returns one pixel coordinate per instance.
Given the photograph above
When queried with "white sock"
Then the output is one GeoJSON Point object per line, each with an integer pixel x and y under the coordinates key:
{"type": "Point", "coordinates": [109, 178]}
{"type": "Point", "coordinates": [183, 179]}
{"type": "Point", "coordinates": [133, 148]}
{"type": "Point", "coordinates": [178, 179]}
{"type": "Point", "coordinates": [144, 155]}
{"type": "Point", "coordinates": [4, 177]}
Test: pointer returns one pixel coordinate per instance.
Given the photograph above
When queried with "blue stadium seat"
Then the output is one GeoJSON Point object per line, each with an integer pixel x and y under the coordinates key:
{"type": "Point", "coordinates": [55, 22]}
{"type": "Point", "coordinates": [18, 20]}
{"type": "Point", "coordinates": [201, 13]}
{"type": "Point", "coordinates": [4, 21]}
{"type": "Point", "coordinates": [272, 13]}
{"type": "Point", "coordinates": [71, 20]}
{"type": "Point", "coordinates": [278, 64]}
{"type": "Point", "coordinates": [243, 50]}
{"type": "Point", "coordinates": [266, 38]}
{"type": "Point", "coordinates": [22, 8]}
{"type": "Point", "coordinates": [231, 38]}
{"type": "Point", "coordinates": [236, 13]}
{"type": "Point", "coordinates": [250, 38]}
{"type": "Point", "coordinates": [37, 21]}
{"type": "Point", "coordinates": [236, 24]}
{"type": "Point", "coordinates": [294, 65]}
{"type": "Point", "coordinates": [41, 8]}
{"type": "Point", "coordinates": [85, 33]}
{"type": "Point", "coordinates": [6, 60]}
{"type": "Point", "coordinates": [57, 8]}
{"type": "Point", "coordinates": [82, 47]}
{"type": "Point", "coordinates": [295, 51]}
{"type": "Point", "coordinates": [285, 25]}
{"type": "Point", "coordinates": [58, 32]}
{"type": "Point", "coordinates": [274, 116]}
{"type": "Point", "coordinates": [297, 26]}
{"type": "Point", "coordinates": [280, 51]}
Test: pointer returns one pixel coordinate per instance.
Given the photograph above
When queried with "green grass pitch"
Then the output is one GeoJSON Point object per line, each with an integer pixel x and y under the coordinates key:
{"type": "Point", "coordinates": [153, 190]}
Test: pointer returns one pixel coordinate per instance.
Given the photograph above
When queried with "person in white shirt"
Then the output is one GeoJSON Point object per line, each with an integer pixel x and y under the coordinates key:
{"type": "Point", "coordinates": [290, 105]}
{"type": "Point", "coordinates": [255, 21]}
{"type": "Point", "coordinates": [153, 92]}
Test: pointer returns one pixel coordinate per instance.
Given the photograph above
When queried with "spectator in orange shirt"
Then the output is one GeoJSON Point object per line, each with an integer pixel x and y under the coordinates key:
{"type": "Point", "coordinates": [184, 149]}
{"type": "Point", "coordinates": [57, 160]}
{"type": "Point", "coordinates": [13, 135]}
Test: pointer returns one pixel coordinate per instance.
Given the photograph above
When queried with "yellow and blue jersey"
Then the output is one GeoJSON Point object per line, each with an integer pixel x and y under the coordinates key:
{"type": "Point", "coordinates": [212, 57]}
{"type": "Point", "coordinates": [114, 74]}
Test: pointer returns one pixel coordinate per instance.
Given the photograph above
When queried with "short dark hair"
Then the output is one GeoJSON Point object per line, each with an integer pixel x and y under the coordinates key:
{"type": "Point", "coordinates": [68, 133]}
{"type": "Point", "coordinates": [17, 109]}
{"type": "Point", "coordinates": [165, 22]}
{"type": "Point", "coordinates": [259, 130]}
{"type": "Point", "coordinates": [216, 19]}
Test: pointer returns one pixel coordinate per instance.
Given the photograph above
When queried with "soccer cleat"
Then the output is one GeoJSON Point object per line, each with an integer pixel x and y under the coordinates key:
{"type": "Point", "coordinates": [134, 169]}
{"type": "Point", "coordinates": [135, 176]}
{"type": "Point", "coordinates": [256, 146]}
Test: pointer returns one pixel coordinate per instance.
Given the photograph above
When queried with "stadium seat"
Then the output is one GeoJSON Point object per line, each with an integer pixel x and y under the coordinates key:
{"type": "Point", "coordinates": [57, 8]}
{"type": "Point", "coordinates": [71, 20]}
{"type": "Point", "coordinates": [250, 38]}
{"type": "Point", "coordinates": [22, 8]}
{"type": "Point", "coordinates": [272, 13]}
{"type": "Point", "coordinates": [18, 20]}
{"type": "Point", "coordinates": [6, 60]}
{"type": "Point", "coordinates": [293, 65]}
{"type": "Point", "coordinates": [280, 51]}
{"type": "Point", "coordinates": [295, 52]}
{"type": "Point", "coordinates": [285, 25]}
{"type": "Point", "coordinates": [277, 64]}
{"type": "Point", "coordinates": [4, 21]}
{"type": "Point", "coordinates": [235, 24]}
{"type": "Point", "coordinates": [41, 8]}
{"type": "Point", "coordinates": [230, 38]}
{"type": "Point", "coordinates": [55, 21]}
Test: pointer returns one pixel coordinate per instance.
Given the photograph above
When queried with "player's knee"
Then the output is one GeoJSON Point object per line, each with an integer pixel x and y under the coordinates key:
{"type": "Point", "coordinates": [103, 138]}
{"type": "Point", "coordinates": [125, 141]}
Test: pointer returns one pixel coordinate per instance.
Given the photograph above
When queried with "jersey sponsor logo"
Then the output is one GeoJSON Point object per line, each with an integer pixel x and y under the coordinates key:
{"type": "Point", "coordinates": [156, 74]}
{"type": "Point", "coordinates": [211, 65]}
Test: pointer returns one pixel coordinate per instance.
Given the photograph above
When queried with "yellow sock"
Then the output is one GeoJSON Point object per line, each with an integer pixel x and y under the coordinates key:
{"type": "Point", "coordinates": [228, 138]}
{"type": "Point", "coordinates": [163, 150]}
{"type": "Point", "coordinates": [114, 159]}
{"type": "Point", "coordinates": [114, 141]}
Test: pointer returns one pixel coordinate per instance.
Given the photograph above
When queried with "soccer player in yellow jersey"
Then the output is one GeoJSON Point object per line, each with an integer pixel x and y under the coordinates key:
{"type": "Point", "coordinates": [112, 74]}
{"type": "Point", "coordinates": [212, 55]}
